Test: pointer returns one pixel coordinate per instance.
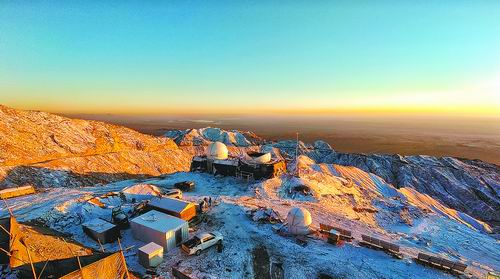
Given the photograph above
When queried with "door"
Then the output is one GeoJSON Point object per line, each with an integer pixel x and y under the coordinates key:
{"type": "Point", "coordinates": [178, 237]}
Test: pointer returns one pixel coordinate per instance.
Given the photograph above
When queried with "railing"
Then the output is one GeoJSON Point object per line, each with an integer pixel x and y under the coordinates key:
{"type": "Point", "coordinates": [441, 262]}
{"type": "Point", "coordinates": [380, 243]}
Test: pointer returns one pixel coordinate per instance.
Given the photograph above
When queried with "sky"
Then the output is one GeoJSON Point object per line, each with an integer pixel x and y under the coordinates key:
{"type": "Point", "coordinates": [248, 57]}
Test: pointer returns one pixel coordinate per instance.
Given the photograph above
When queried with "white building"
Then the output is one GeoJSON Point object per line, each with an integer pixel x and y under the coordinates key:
{"type": "Point", "coordinates": [217, 151]}
{"type": "Point", "coordinates": [150, 255]}
{"type": "Point", "coordinates": [160, 228]}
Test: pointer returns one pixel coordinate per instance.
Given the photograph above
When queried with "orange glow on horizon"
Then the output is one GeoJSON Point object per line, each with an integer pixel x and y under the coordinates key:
{"type": "Point", "coordinates": [484, 111]}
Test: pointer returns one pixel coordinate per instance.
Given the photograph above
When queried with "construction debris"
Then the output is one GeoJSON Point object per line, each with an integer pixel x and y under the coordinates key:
{"type": "Point", "coordinates": [120, 218]}
{"type": "Point", "coordinates": [265, 215]}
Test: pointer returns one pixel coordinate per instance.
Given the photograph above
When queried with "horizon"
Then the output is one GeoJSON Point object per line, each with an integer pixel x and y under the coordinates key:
{"type": "Point", "coordinates": [372, 59]}
{"type": "Point", "coordinates": [465, 137]}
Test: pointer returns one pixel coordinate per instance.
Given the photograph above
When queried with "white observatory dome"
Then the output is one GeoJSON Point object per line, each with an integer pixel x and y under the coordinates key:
{"type": "Point", "coordinates": [260, 158]}
{"type": "Point", "coordinates": [217, 151]}
{"type": "Point", "coordinates": [299, 219]}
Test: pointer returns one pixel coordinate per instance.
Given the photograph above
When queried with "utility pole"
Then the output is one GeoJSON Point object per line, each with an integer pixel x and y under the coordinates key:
{"type": "Point", "coordinates": [297, 157]}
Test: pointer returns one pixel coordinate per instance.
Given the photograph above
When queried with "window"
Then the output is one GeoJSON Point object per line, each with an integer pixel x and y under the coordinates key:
{"type": "Point", "coordinates": [208, 238]}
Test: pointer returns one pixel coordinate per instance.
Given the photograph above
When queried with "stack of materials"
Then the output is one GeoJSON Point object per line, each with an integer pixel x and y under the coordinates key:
{"type": "Point", "coordinates": [379, 244]}
{"type": "Point", "coordinates": [456, 268]}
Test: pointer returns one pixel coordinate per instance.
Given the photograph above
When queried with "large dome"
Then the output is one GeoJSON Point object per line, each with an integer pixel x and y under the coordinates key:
{"type": "Point", "coordinates": [299, 219]}
{"type": "Point", "coordinates": [217, 150]}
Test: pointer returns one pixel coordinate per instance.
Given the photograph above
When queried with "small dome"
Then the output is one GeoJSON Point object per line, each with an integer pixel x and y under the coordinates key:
{"type": "Point", "coordinates": [217, 150]}
{"type": "Point", "coordinates": [141, 192]}
{"type": "Point", "coordinates": [299, 219]}
{"type": "Point", "coordinates": [260, 158]}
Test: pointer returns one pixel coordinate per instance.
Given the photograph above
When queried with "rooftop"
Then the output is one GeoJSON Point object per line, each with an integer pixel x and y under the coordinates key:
{"type": "Point", "coordinates": [158, 221]}
{"type": "Point", "coordinates": [98, 225]}
{"type": "Point", "coordinates": [170, 204]}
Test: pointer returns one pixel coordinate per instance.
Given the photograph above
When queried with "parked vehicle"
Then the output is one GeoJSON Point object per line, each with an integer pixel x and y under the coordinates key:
{"type": "Point", "coordinates": [173, 193]}
{"type": "Point", "coordinates": [201, 242]}
{"type": "Point", "coordinates": [185, 185]}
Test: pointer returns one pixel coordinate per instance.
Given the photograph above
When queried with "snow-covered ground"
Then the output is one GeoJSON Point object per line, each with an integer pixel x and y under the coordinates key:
{"type": "Point", "coordinates": [336, 193]}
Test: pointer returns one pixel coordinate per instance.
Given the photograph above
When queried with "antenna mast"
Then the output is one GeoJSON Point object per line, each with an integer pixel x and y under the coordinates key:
{"type": "Point", "coordinates": [297, 156]}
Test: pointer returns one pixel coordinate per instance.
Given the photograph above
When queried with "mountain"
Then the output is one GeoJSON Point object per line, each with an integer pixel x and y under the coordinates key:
{"type": "Point", "coordinates": [50, 150]}
{"type": "Point", "coordinates": [361, 192]}
{"type": "Point", "coordinates": [412, 201]}
{"type": "Point", "coordinates": [203, 136]}
{"type": "Point", "coordinates": [469, 186]}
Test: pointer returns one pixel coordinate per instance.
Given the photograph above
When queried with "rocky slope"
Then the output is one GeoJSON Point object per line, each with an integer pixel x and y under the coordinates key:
{"type": "Point", "coordinates": [469, 186]}
{"type": "Point", "coordinates": [49, 150]}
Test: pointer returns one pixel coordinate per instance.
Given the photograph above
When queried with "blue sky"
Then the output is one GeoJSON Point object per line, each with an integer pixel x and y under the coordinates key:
{"type": "Point", "coordinates": [241, 56]}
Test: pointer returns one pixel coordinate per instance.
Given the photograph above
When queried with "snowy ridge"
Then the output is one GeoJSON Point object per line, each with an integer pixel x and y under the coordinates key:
{"type": "Point", "coordinates": [204, 136]}
{"type": "Point", "coordinates": [374, 187]}
{"type": "Point", "coordinates": [469, 186]}
{"type": "Point", "coordinates": [49, 150]}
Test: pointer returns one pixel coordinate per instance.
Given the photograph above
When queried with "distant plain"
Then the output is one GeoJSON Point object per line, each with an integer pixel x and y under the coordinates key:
{"type": "Point", "coordinates": [472, 138]}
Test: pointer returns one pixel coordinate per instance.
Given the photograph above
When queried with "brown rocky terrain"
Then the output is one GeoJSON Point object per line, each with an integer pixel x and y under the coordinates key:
{"type": "Point", "coordinates": [50, 150]}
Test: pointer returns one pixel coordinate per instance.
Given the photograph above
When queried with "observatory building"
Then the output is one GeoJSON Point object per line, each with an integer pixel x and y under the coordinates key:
{"type": "Point", "coordinates": [217, 151]}
{"type": "Point", "coordinates": [298, 221]}
{"type": "Point", "coordinates": [249, 166]}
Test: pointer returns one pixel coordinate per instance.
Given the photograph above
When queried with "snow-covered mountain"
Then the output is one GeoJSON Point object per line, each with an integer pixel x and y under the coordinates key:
{"type": "Point", "coordinates": [470, 186]}
{"type": "Point", "coordinates": [204, 136]}
{"type": "Point", "coordinates": [49, 150]}
{"type": "Point", "coordinates": [445, 206]}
